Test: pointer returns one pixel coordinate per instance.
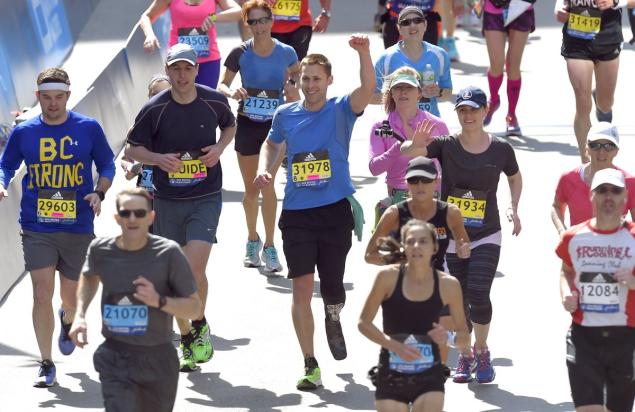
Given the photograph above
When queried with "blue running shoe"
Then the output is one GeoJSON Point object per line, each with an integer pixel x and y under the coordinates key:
{"type": "Point", "coordinates": [484, 370]}
{"type": "Point", "coordinates": [491, 109]}
{"type": "Point", "coordinates": [453, 53]}
{"type": "Point", "coordinates": [46, 375]}
{"type": "Point", "coordinates": [464, 368]}
{"type": "Point", "coordinates": [64, 341]}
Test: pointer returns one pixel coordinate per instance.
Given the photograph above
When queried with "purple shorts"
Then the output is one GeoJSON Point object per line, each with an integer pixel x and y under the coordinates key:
{"type": "Point", "coordinates": [495, 22]}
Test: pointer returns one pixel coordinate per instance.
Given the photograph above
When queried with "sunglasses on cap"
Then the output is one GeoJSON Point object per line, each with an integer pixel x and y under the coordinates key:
{"type": "Point", "coordinates": [609, 147]}
{"type": "Point", "coordinates": [414, 20]}
{"type": "Point", "coordinates": [262, 20]}
{"type": "Point", "coordinates": [604, 189]}
{"type": "Point", "coordinates": [418, 179]}
{"type": "Point", "coordinates": [138, 213]}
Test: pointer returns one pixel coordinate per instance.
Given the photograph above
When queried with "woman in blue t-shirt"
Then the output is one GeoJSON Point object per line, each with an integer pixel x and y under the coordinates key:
{"type": "Point", "coordinates": [269, 71]}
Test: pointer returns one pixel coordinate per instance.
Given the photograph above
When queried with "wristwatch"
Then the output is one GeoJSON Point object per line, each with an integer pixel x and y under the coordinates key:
{"type": "Point", "coordinates": [101, 194]}
{"type": "Point", "coordinates": [162, 301]}
{"type": "Point", "coordinates": [440, 92]}
{"type": "Point", "coordinates": [325, 13]}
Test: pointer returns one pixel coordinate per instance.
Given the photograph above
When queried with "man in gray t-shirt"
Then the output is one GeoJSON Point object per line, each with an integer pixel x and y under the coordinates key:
{"type": "Point", "coordinates": [146, 280]}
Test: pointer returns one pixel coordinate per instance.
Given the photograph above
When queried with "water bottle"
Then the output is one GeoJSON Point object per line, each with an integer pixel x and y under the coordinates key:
{"type": "Point", "coordinates": [427, 77]}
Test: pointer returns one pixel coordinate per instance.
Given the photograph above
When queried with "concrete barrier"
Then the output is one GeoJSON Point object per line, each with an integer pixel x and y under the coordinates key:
{"type": "Point", "coordinates": [113, 99]}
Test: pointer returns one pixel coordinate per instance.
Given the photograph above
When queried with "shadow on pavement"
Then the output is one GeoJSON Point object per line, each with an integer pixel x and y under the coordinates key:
{"type": "Point", "coordinates": [530, 144]}
{"type": "Point", "coordinates": [506, 401]}
{"type": "Point", "coordinates": [88, 397]}
{"type": "Point", "coordinates": [11, 351]}
{"type": "Point", "coordinates": [221, 394]}
{"type": "Point", "coordinates": [468, 69]}
{"type": "Point", "coordinates": [223, 344]}
{"type": "Point", "coordinates": [355, 396]}
{"type": "Point", "coordinates": [281, 284]}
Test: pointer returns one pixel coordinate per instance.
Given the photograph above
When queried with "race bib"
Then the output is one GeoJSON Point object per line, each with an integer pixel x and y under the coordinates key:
{"type": "Point", "coordinates": [472, 205]}
{"type": "Point", "coordinates": [584, 23]}
{"type": "Point", "coordinates": [425, 104]}
{"type": "Point", "coordinates": [287, 10]}
{"type": "Point", "coordinates": [195, 37]}
{"type": "Point", "coordinates": [599, 292]}
{"type": "Point", "coordinates": [425, 361]}
{"type": "Point", "coordinates": [146, 179]}
{"type": "Point", "coordinates": [260, 104]}
{"type": "Point", "coordinates": [192, 170]}
{"type": "Point", "coordinates": [56, 206]}
{"type": "Point", "coordinates": [311, 169]}
{"type": "Point", "coordinates": [124, 318]}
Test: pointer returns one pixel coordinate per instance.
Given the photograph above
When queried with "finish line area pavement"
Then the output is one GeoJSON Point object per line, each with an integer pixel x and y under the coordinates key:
{"type": "Point", "coordinates": [257, 359]}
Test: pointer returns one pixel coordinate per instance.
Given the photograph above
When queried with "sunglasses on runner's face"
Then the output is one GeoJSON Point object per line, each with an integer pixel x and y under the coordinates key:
{"type": "Point", "coordinates": [262, 20]}
{"type": "Point", "coordinates": [604, 189]}
{"type": "Point", "coordinates": [414, 20]}
{"type": "Point", "coordinates": [138, 213]}
{"type": "Point", "coordinates": [418, 179]}
{"type": "Point", "coordinates": [609, 147]}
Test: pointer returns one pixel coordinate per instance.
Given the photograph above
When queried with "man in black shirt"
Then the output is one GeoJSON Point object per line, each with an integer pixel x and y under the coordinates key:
{"type": "Point", "coordinates": [176, 133]}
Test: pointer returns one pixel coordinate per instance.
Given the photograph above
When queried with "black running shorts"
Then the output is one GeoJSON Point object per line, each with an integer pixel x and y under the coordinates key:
{"type": "Point", "coordinates": [599, 358]}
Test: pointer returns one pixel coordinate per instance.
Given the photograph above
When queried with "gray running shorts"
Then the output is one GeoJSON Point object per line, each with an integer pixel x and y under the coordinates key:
{"type": "Point", "coordinates": [189, 219]}
{"type": "Point", "coordinates": [66, 251]}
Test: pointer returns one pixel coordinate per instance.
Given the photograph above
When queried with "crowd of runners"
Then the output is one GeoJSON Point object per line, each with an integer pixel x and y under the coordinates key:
{"type": "Point", "coordinates": [436, 232]}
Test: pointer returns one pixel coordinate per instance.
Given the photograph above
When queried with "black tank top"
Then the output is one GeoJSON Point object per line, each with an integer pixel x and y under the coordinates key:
{"type": "Point", "coordinates": [440, 222]}
{"type": "Point", "coordinates": [403, 317]}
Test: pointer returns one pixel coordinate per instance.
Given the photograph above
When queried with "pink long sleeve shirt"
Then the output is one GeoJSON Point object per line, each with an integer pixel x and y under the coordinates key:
{"type": "Point", "coordinates": [384, 151]}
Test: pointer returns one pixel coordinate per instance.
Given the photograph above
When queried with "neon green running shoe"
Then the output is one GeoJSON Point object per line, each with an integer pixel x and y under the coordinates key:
{"type": "Point", "coordinates": [311, 379]}
{"type": "Point", "coordinates": [202, 346]}
{"type": "Point", "coordinates": [186, 358]}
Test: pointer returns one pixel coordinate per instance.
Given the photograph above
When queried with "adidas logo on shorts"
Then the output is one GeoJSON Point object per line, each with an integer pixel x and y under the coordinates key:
{"type": "Point", "coordinates": [186, 156]}
{"type": "Point", "coordinates": [263, 95]}
{"type": "Point", "coordinates": [468, 195]}
{"type": "Point", "coordinates": [310, 158]}
{"type": "Point", "coordinates": [57, 196]}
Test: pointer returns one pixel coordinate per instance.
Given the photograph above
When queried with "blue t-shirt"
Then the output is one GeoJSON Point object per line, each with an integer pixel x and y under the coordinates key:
{"type": "Point", "coordinates": [319, 141]}
{"type": "Point", "coordinates": [59, 162]}
{"type": "Point", "coordinates": [262, 77]}
{"type": "Point", "coordinates": [393, 58]}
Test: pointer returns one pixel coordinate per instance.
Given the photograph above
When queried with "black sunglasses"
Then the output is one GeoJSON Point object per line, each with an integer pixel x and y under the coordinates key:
{"type": "Point", "coordinates": [262, 20]}
{"type": "Point", "coordinates": [418, 179]}
{"type": "Point", "coordinates": [138, 213]}
{"type": "Point", "coordinates": [609, 147]}
{"type": "Point", "coordinates": [604, 189]}
{"type": "Point", "coordinates": [414, 20]}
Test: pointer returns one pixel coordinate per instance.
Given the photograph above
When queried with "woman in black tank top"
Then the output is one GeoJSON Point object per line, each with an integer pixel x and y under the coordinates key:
{"type": "Point", "coordinates": [422, 180]}
{"type": "Point", "coordinates": [411, 296]}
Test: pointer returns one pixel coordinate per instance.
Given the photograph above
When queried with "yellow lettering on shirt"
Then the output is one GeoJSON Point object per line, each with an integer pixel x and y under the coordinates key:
{"type": "Point", "coordinates": [48, 150]}
{"type": "Point", "coordinates": [47, 175]}
{"type": "Point", "coordinates": [63, 140]}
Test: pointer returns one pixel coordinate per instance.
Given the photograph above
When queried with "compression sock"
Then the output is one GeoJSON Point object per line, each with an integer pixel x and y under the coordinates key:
{"type": "Point", "coordinates": [494, 86]}
{"type": "Point", "coordinates": [513, 93]}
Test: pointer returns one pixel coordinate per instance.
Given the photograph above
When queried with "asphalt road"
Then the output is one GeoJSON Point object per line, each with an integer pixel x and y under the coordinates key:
{"type": "Point", "coordinates": [257, 360]}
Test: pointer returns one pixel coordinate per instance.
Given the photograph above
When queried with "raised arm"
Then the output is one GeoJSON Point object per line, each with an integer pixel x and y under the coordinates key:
{"type": "Point", "coordinates": [361, 96]}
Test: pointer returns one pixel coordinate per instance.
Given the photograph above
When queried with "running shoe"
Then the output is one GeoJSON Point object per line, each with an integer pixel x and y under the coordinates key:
{"type": "Point", "coordinates": [484, 370]}
{"type": "Point", "coordinates": [46, 375]}
{"type": "Point", "coordinates": [334, 334]}
{"type": "Point", "coordinates": [251, 259]}
{"type": "Point", "coordinates": [186, 357]}
{"type": "Point", "coordinates": [202, 346]}
{"type": "Point", "coordinates": [312, 376]}
{"type": "Point", "coordinates": [513, 129]}
{"type": "Point", "coordinates": [270, 257]}
{"type": "Point", "coordinates": [64, 341]}
{"type": "Point", "coordinates": [453, 53]}
{"type": "Point", "coordinates": [447, 372]}
{"type": "Point", "coordinates": [491, 109]}
{"type": "Point", "coordinates": [464, 368]}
